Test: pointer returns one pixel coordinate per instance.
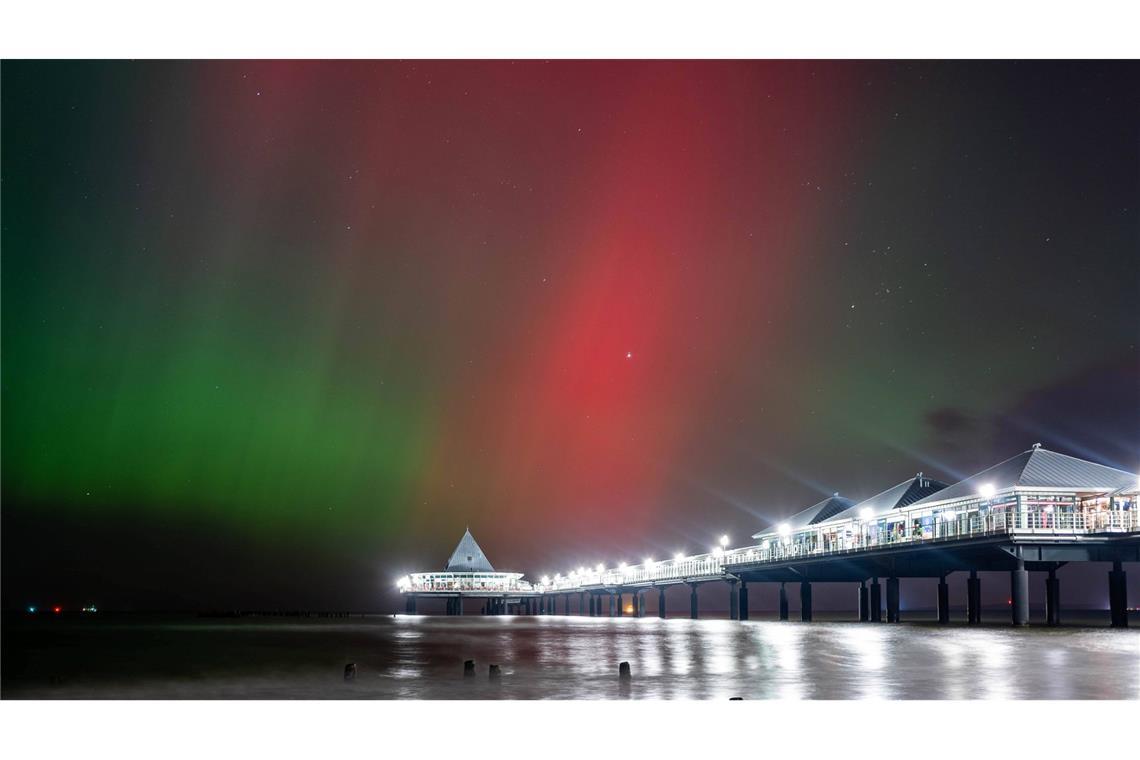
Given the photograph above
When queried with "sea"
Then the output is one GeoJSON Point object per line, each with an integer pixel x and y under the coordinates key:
{"type": "Point", "coordinates": [143, 656]}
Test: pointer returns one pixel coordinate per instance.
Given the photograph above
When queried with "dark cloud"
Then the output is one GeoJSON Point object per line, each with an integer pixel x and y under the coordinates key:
{"type": "Point", "coordinates": [948, 421]}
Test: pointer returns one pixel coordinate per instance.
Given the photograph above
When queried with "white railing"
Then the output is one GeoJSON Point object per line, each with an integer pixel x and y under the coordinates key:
{"type": "Point", "coordinates": [900, 527]}
{"type": "Point", "coordinates": [425, 583]}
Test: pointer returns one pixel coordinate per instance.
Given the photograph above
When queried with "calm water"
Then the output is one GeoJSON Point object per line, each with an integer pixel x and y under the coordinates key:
{"type": "Point", "coordinates": [559, 658]}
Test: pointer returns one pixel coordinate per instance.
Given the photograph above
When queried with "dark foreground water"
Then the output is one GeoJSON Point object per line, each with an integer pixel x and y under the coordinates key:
{"type": "Point", "coordinates": [129, 657]}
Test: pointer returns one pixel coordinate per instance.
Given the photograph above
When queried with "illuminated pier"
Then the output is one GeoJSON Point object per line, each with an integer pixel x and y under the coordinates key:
{"type": "Point", "coordinates": [1036, 511]}
{"type": "Point", "coordinates": [469, 574]}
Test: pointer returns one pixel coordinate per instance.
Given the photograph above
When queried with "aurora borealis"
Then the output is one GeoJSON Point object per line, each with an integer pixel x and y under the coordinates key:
{"type": "Point", "coordinates": [275, 332]}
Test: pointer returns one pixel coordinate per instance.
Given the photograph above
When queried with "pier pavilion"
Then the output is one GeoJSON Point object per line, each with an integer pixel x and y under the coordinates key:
{"type": "Point", "coordinates": [468, 573]}
{"type": "Point", "coordinates": [1035, 511]}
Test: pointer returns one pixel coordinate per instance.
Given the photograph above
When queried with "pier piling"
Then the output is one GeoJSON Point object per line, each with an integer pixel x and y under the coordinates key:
{"type": "Point", "coordinates": [783, 601]}
{"type": "Point", "coordinates": [864, 603]}
{"type": "Point", "coordinates": [624, 672]}
{"type": "Point", "coordinates": [974, 599]}
{"type": "Point", "coordinates": [1052, 598]}
{"type": "Point", "coordinates": [693, 601]}
{"type": "Point", "coordinates": [661, 602]}
{"type": "Point", "coordinates": [1118, 595]}
{"type": "Point", "coordinates": [892, 599]}
{"type": "Point", "coordinates": [876, 600]}
{"type": "Point", "coordinates": [743, 600]}
{"type": "Point", "coordinates": [1019, 593]}
{"type": "Point", "coordinates": [468, 668]}
{"type": "Point", "coordinates": [805, 601]}
{"type": "Point", "coordinates": [943, 600]}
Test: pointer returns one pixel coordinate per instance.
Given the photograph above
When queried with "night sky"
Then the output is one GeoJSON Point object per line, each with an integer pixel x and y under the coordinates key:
{"type": "Point", "coordinates": [274, 333]}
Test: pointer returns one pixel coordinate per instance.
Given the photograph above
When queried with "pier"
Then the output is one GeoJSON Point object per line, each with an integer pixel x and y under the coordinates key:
{"type": "Point", "coordinates": [1034, 512]}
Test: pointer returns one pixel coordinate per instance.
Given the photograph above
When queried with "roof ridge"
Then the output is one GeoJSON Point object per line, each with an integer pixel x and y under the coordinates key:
{"type": "Point", "coordinates": [1039, 448]}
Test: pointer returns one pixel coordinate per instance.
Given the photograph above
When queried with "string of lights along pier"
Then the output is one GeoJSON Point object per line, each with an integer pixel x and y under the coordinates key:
{"type": "Point", "coordinates": [1035, 511]}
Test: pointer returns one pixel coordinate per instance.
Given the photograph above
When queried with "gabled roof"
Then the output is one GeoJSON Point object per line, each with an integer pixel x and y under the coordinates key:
{"type": "Point", "coordinates": [816, 513]}
{"type": "Point", "coordinates": [468, 557]}
{"type": "Point", "coordinates": [896, 497]}
{"type": "Point", "coordinates": [1039, 468]}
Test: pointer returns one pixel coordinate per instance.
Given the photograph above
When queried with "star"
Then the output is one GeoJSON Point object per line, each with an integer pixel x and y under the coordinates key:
{"type": "Point", "coordinates": [628, 354]}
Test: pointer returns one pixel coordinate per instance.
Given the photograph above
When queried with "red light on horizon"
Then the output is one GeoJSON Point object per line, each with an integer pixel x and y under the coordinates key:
{"type": "Point", "coordinates": [57, 610]}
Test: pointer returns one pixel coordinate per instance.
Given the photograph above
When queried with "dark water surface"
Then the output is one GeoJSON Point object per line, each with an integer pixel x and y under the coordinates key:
{"type": "Point", "coordinates": [138, 657]}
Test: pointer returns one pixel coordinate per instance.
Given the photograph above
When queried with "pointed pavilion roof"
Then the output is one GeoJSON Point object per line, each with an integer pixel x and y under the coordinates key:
{"type": "Point", "coordinates": [816, 513]}
{"type": "Point", "coordinates": [896, 497]}
{"type": "Point", "coordinates": [468, 557]}
{"type": "Point", "coordinates": [1039, 468]}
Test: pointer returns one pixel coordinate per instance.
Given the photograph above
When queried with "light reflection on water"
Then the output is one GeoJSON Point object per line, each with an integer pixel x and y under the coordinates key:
{"type": "Point", "coordinates": [421, 657]}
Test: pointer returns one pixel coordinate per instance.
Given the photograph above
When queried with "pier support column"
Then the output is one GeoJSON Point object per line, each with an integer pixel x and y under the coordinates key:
{"type": "Point", "coordinates": [805, 601]}
{"type": "Point", "coordinates": [892, 600]}
{"type": "Point", "coordinates": [661, 603]}
{"type": "Point", "coordinates": [410, 604]}
{"type": "Point", "coordinates": [1052, 599]}
{"type": "Point", "coordinates": [592, 610]}
{"type": "Point", "coordinates": [1019, 593]}
{"type": "Point", "coordinates": [783, 601]}
{"type": "Point", "coordinates": [743, 600]}
{"type": "Point", "coordinates": [459, 605]}
{"type": "Point", "coordinates": [974, 598]}
{"type": "Point", "coordinates": [582, 603]}
{"type": "Point", "coordinates": [1118, 595]}
{"type": "Point", "coordinates": [641, 603]}
{"type": "Point", "coordinates": [733, 601]}
{"type": "Point", "coordinates": [864, 603]}
{"type": "Point", "coordinates": [876, 600]}
{"type": "Point", "coordinates": [620, 605]}
{"type": "Point", "coordinates": [693, 601]}
{"type": "Point", "coordinates": [611, 596]}
{"type": "Point", "coordinates": [943, 601]}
